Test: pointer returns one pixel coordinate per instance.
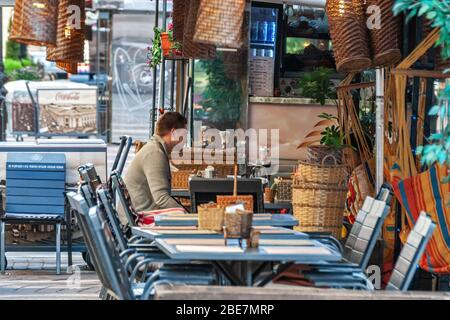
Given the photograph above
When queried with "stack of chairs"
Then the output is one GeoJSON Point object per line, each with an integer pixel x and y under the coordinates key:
{"type": "Point", "coordinates": [123, 266]}
{"type": "Point", "coordinates": [350, 272]}
{"type": "Point", "coordinates": [124, 263]}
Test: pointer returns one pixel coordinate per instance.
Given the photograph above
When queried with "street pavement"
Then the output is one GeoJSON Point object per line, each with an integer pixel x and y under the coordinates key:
{"type": "Point", "coordinates": [32, 275]}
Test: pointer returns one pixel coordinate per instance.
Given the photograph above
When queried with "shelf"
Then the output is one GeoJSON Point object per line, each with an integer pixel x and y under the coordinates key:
{"type": "Point", "coordinates": [260, 44]}
{"type": "Point", "coordinates": [296, 33]}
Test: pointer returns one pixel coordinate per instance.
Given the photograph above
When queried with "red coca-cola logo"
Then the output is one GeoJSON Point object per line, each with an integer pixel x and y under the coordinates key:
{"type": "Point", "coordinates": [67, 96]}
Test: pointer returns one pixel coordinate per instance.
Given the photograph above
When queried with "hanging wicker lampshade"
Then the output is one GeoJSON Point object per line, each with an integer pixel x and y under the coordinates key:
{"type": "Point", "coordinates": [178, 17]}
{"type": "Point", "coordinates": [34, 22]}
{"type": "Point", "coordinates": [385, 41]}
{"type": "Point", "coordinates": [70, 33]}
{"type": "Point", "coordinates": [349, 36]}
{"type": "Point", "coordinates": [219, 23]}
{"type": "Point", "coordinates": [70, 67]}
{"type": "Point", "coordinates": [191, 48]}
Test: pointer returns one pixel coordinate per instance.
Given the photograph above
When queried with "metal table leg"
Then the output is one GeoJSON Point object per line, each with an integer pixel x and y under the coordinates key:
{"type": "Point", "coordinates": [58, 248]}
{"type": "Point", "coordinates": [2, 247]}
{"type": "Point", "coordinates": [228, 273]}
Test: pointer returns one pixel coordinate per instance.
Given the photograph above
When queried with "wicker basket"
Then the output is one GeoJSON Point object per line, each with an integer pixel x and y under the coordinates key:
{"type": "Point", "coordinates": [211, 217]}
{"type": "Point", "coordinates": [284, 190]}
{"type": "Point", "coordinates": [269, 195]}
{"type": "Point", "coordinates": [349, 34]}
{"type": "Point", "coordinates": [71, 68]}
{"type": "Point", "coordinates": [192, 49]}
{"type": "Point", "coordinates": [324, 155]}
{"type": "Point", "coordinates": [319, 195]}
{"type": "Point", "coordinates": [322, 219]}
{"type": "Point", "coordinates": [247, 200]}
{"type": "Point", "coordinates": [222, 170]}
{"type": "Point", "coordinates": [220, 22]}
{"type": "Point", "coordinates": [34, 23]}
{"type": "Point", "coordinates": [385, 42]}
{"type": "Point", "coordinates": [180, 179]}
{"type": "Point", "coordinates": [238, 225]}
{"type": "Point", "coordinates": [324, 174]}
{"type": "Point", "coordinates": [69, 40]}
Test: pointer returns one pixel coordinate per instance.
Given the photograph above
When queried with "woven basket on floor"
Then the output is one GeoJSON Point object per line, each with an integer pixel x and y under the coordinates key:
{"type": "Point", "coordinates": [319, 195]}
{"type": "Point", "coordinates": [191, 48]}
{"type": "Point", "coordinates": [385, 41]}
{"type": "Point", "coordinates": [178, 18]}
{"type": "Point", "coordinates": [34, 22]}
{"type": "Point", "coordinates": [284, 190]}
{"type": "Point", "coordinates": [348, 31]}
{"type": "Point", "coordinates": [318, 173]}
{"type": "Point", "coordinates": [69, 39]}
{"type": "Point", "coordinates": [180, 179]}
{"type": "Point", "coordinates": [219, 23]}
{"type": "Point", "coordinates": [211, 217]}
{"type": "Point", "coordinates": [322, 219]}
{"type": "Point", "coordinates": [324, 155]}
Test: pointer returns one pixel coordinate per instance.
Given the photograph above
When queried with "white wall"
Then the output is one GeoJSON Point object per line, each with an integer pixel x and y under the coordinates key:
{"type": "Point", "coordinates": [6, 15]}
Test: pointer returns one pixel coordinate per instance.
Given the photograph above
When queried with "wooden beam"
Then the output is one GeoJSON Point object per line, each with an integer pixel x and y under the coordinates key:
{"type": "Point", "coordinates": [283, 292]}
{"type": "Point", "coordinates": [421, 73]}
{"type": "Point", "coordinates": [357, 85]}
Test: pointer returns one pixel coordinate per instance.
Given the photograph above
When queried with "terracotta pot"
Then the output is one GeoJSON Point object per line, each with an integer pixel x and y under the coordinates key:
{"type": "Point", "coordinates": [165, 44]}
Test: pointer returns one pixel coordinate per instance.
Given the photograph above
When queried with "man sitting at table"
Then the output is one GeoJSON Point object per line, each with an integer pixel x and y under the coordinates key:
{"type": "Point", "coordinates": [148, 177]}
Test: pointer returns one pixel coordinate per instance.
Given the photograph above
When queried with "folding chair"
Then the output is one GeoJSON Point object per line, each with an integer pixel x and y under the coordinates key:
{"type": "Point", "coordinates": [356, 254]}
{"type": "Point", "coordinates": [119, 188]}
{"type": "Point", "coordinates": [406, 264]}
{"type": "Point", "coordinates": [118, 285]}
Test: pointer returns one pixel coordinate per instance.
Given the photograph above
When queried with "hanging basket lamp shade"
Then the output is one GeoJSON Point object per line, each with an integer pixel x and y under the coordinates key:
{"type": "Point", "coordinates": [70, 36]}
{"type": "Point", "coordinates": [34, 22]}
{"type": "Point", "coordinates": [191, 48]}
{"type": "Point", "coordinates": [349, 36]}
{"type": "Point", "coordinates": [70, 67]}
{"type": "Point", "coordinates": [385, 41]}
{"type": "Point", "coordinates": [219, 23]}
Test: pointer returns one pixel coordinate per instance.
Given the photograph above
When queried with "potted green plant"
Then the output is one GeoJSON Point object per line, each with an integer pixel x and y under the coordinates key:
{"type": "Point", "coordinates": [317, 85]}
{"type": "Point", "coordinates": [163, 46]}
{"type": "Point", "coordinates": [325, 146]}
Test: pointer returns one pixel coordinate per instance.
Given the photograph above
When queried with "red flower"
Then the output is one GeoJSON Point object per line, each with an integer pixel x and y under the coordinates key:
{"type": "Point", "coordinates": [170, 26]}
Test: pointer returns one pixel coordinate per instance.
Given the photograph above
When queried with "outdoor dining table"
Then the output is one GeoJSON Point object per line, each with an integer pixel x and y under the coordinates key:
{"type": "Point", "coordinates": [259, 219]}
{"type": "Point", "coordinates": [242, 265]}
{"type": "Point", "coordinates": [192, 232]}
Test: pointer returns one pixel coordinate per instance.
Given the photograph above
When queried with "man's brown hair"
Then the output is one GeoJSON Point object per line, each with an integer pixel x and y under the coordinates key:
{"type": "Point", "coordinates": [169, 121]}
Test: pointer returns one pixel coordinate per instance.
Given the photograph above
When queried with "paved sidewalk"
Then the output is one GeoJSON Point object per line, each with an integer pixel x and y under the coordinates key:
{"type": "Point", "coordinates": [32, 276]}
{"type": "Point", "coordinates": [41, 261]}
{"type": "Point", "coordinates": [45, 285]}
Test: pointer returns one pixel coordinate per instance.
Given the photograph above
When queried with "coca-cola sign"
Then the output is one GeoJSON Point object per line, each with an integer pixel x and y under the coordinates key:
{"type": "Point", "coordinates": [67, 96]}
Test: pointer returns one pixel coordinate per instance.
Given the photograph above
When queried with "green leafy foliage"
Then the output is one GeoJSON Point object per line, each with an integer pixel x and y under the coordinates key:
{"type": "Point", "coordinates": [317, 85]}
{"type": "Point", "coordinates": [332, 135]}
{"type": "Point", "coordinates": [222, 96]}
{"type": "Point", "coordinates": [155, 53]}
{"type": "Point", "coordinates": [438, 11]}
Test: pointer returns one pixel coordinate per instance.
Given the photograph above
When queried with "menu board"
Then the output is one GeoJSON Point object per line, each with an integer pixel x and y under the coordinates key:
{"type": "Point", "coordinates": [261, 76]}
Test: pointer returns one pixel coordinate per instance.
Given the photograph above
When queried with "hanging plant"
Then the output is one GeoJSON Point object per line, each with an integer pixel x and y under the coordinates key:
{"type": "Point", "coordinates": [163, 46]}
